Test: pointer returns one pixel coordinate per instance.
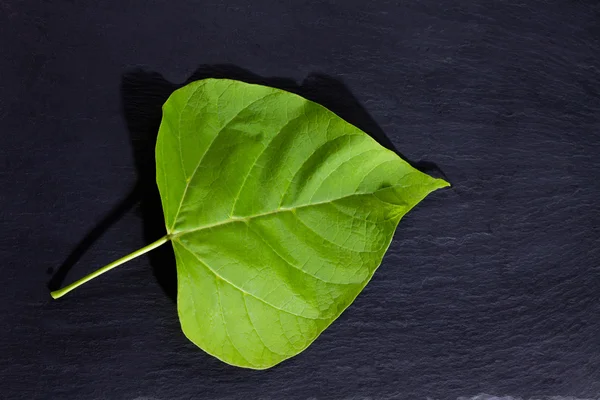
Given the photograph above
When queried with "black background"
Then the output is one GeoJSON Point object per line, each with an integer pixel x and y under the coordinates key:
{"type": "Point", "coordinates": [492, 286]}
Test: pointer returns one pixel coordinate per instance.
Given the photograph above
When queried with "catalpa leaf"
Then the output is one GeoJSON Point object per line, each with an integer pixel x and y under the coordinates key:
{"type": "Point", "coordinates": [279, 213]}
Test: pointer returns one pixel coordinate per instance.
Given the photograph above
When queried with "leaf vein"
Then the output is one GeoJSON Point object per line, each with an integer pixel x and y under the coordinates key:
{"type": "Point", "coordinates": [279, 210]}
{"type": "Point", "coordinates": [290, 264]}
{"type": "Point", "coordinates": [225, 324]}
{"type": "Point", "coordinates": [256, 330]}
{"type": "Point", "coordinates": [332, 242]}
{"type": "Point", "coordinates": [337, 168]}
{"type": "Point", "coordinates": [187, 269]}
{"type": "Point", "coordinates": [221, 129]}
{"type": "Point", "coordinates": [287, 189]}
{"type": "Point", "coordinates": [251, 168]}
{"type": "Point", "coordinates": [237, 287]}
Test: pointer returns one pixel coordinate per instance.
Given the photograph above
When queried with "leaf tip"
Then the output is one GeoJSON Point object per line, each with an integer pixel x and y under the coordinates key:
{"type": "Point", "coordinates": [443, 183]}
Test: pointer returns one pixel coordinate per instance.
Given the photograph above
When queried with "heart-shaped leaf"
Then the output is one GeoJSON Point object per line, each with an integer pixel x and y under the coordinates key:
{"type": "Point", "coordinates": [279, 213]}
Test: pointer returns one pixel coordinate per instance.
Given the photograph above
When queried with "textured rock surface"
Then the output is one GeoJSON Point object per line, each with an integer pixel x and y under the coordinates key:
{"type": "Point", "coordinates": [490, 287]}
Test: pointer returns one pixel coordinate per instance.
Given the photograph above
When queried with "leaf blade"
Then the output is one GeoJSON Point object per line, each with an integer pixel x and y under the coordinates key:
{"type": "Point", "coordinates": [283, 219]}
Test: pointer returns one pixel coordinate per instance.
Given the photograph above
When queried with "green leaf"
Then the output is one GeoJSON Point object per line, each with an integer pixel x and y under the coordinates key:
{"type": "Point", "coordinates": [279, 212]}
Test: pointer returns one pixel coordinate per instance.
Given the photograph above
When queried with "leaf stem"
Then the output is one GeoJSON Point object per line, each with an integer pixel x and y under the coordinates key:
{"type": "Point", "coordinates": [61, 292]}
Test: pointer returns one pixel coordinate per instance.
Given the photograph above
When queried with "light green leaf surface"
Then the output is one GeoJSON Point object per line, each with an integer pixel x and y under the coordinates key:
{"type": "Point", "coordinates": [279, 212]}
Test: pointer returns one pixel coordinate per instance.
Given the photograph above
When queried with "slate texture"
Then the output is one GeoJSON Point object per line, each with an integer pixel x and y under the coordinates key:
{"type": "Point", "coordinates": [492, 286]}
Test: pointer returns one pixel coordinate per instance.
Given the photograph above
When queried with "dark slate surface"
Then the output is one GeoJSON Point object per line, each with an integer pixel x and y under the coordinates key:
{"type": "Point", "coordinates": [490, 287]}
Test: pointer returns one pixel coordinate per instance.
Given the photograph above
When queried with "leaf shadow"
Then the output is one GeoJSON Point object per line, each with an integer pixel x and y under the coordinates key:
{"type": "Point", "coordinates": [143, 93]}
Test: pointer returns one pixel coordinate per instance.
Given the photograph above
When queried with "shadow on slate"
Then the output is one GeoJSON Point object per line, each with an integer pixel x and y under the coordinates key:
{"type": "Point", "coordinates": [143, 94]}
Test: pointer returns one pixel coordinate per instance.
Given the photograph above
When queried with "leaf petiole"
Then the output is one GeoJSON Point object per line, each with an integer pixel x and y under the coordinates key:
{"type": "Point", "coordinates": [61, 292]}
